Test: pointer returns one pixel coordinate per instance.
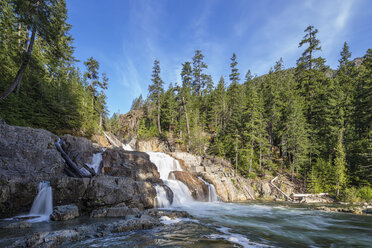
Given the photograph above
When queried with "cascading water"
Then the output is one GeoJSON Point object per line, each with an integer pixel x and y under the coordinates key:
{"type": "Point", "coordinates": [166, 164]}
{"type": "Point", "coordinates": [42, 207]}
{"type": "Point", "coordinates": [96, 161]}
{"type": "Point", "coordinates": [127, 147]}
{"type": "Point", "coordinates": [212, 195]}
{"type": "Point", "coordinates": [161, 199]}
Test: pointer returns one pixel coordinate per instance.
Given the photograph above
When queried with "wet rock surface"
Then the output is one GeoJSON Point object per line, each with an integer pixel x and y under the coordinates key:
{"type": "Point", "coordinates": [17, 225]}
{"type": "Point", "coordinates": [64, 212]}
{"type": "Point", "coordinates": [28, 154]}
{"type": "Point", "coordinates": [351, 209]}
{"type": "Point", "coordinates": [109, 191]}
{"type": "Point", "coordinates": [133, 164]}
{"type": "Point", "coordinates": [114, 212]}
{"type": "Point", "coordinates": [79, 149]}
{"type": "Point", "coordinates": [199, 190]}
{"type": "Point", "coordinates": [229, 186]}
{"type": "Point", "coordinates": [141, 221]}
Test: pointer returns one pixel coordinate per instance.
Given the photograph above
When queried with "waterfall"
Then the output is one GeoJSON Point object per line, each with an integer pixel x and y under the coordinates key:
{"type": "Point", "coordinates": [161, 199]}
{"type": "Point", "coordinates": [212, 195]}
{"type": "Point", "coordinates": [127, 147]}
{"type": "Point", "coordinates": [165, 165]}
{"type": "Point", "coordinates": [96, 161]}
{"type": "Point", "coordinates": [43, 203]}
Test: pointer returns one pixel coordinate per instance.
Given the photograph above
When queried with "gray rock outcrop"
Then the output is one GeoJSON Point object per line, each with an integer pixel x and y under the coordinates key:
{"type": "Point", "coordinates": [132, 164]}
{"type": "Point", "coordinates": [114, 212]}
{"type": "Point", "coordinates": [28, 156]}
{"type": "Point", "coordinates": [64, 212]}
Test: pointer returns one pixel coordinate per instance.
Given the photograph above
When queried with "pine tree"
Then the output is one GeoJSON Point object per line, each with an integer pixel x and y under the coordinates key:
{"type": "Point", "coordinates": [340, 165]}
{"type": "Point", "coordinates": [199, 77]}
{"type": "Point", "coordinates": [234, 125]}
{"type": "Point", "coordinates": [156, 90]}
{"type": "Point", "coordinates": [185, 96]}
{"type": "Point", "coordinates": [296, 135]}
{"type": "Point", "coordinates": [37, 17]}
{"type": "Point", "coordinates": [92, 66]}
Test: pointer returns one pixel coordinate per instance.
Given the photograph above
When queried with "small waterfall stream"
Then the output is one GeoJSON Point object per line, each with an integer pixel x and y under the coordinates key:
{"type": "Point", "coordinates": [212, 195]}
{"type": "Point", "coordinates": [42, 207]}
{"type": "Point", "coordinates": [166, 164]}
{"type": "Point", "coordinates": [96, 161]}
{"type": "Point", "coordinates": [181, 193]}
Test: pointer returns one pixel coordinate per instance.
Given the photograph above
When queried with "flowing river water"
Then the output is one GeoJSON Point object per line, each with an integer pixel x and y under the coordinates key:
{"type": "Point", "coordinates": [218, 224]}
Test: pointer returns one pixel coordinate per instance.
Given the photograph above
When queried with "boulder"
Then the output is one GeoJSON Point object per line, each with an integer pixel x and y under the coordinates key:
{"type": "Point", "coordinates": [16, 196]}
{"type": "Point", "coordinates": [100, 140]}
{"type": "Point", "coordinates": [28, 154]}
{"type": "Point", "coordinates": [18, 225]}
{"type": "Point", "coordinates": [154, 145]}
{"type": "Point", "coordinates": [79, 149]}
{"type": "Point", "coordinates": [51, 239]}
{"type": "Point", "coordinates": [114, 212]}
{"type": "Point", "coordinates": [170, 213]}
{"type": "Point", "coordinates": [132, 164]}
{"type": "Point", "coordinates": [105, 191]}
{"type": "Point", "coordinates": [199, 190]}
{"type": "Point", "coordinates": [367, 211]}
{"type": "Point", "coordinates": [69, 190]}
{"type": "Point", "coordinates": [64, 212]}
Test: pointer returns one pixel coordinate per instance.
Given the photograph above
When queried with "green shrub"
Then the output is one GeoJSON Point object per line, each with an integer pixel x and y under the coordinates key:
{"type": "Point", "coordinates": [365, 193]}
{"type": "Point", "coordinates": [350, 195]}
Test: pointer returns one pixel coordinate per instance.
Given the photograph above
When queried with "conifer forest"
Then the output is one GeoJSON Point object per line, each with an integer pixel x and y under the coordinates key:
{"type": "Point", "coordinates": [310, 121]}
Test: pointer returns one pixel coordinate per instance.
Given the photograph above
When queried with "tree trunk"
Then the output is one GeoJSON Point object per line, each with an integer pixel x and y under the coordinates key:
{"type": "Point", "coordinates": [25, 61]}
{"type": "Point", "coordinates": [236, 155]}
{"type": "Point", "coordinates": [260, 156]}
{"type": "Point", "coordinates": [187, 123]}
{"type": "Point", "coordinates": [159, 128]}
{"type": "Point", "coordinates": [251, 158]}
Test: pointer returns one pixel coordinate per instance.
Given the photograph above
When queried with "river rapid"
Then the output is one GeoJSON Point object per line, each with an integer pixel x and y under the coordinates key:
{"type": "Point", "coordinates": [247, 225]}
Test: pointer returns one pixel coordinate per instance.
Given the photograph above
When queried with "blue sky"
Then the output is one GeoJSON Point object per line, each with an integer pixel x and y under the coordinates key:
{"type": "Point", "coordinates": [125, 36]}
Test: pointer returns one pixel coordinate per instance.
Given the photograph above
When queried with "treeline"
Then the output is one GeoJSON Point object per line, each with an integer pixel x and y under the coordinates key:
{"type": "Point", "coordinates": [310, 121]}
{"type": "Point", "coordinates": [40, 84]}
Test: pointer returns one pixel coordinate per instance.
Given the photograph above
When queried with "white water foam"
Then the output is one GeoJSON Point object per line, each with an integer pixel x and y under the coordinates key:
{"type": "Point", "coordinates": [168, 221]}
{"type": "Point", "coordinates": [42, 207]}
{"type": "Point", "coordinates": [181, 193]}
{"type": "Point", "coordinates": [235, 238]}
{"type": "Point", "coordinates": [161, 199]}
{"type": "Point", "coordinates": [165, 165]}
{"type": "Point", "coordinates": [96, 162]}
{"type": "Point", "coordinates": [212, 195]}
{"type": "Point", "coordinates": [127, 147]}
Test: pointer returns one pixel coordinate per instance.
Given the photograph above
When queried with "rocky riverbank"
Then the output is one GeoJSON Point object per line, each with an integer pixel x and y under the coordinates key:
{"type": "Point", "coordinates": [73, 232]}
{"type": "Point", "coordinates": [28, 156]}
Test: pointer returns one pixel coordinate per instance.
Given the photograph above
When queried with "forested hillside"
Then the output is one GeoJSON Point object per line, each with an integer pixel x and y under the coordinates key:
{"type": "Point", "coordinates": [311, 121]}
{"type": "Point", "coordinates": [40, 84]}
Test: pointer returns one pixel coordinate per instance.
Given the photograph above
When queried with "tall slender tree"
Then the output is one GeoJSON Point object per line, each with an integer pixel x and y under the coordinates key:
{"type": "Point", "coordinates": [199, 76]}
{"type": "Point", "coordinates": [156, 90]}
{"type": "Point", "coordinates": [36, 16]}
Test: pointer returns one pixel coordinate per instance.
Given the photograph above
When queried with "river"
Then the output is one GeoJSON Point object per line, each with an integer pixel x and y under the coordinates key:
{"type": "Point", "coordinates": [248, 225]}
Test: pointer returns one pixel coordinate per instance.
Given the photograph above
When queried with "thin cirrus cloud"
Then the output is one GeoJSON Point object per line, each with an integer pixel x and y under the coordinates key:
{"type": "Point", "coordinates": [259, 32]}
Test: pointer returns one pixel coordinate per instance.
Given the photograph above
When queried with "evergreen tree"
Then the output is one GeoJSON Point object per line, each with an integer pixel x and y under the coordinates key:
{"type": "Point", "coordinates": [37, 17]}
{"type": "Point", "coordinates": [340, 165]}
{"type": "Point", "coordinates": [296, 135]}
{"type": "Point", "coordinates": [234, 124]}
{"type": "Point", "coordinates": [156, 91]}
{"type": "Point", "coordinates": [199, 77]}
{"type": "Point", "coordinates": [92, 66]}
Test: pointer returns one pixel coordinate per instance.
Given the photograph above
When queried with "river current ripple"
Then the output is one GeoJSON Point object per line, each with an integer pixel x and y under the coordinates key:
{"type": "Point", "coordinates": [248, 225]}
